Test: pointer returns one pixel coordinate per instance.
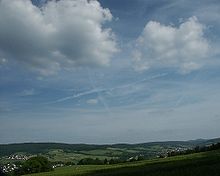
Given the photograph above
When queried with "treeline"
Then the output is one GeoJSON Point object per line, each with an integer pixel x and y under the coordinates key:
{"type": "Point", "coordinates": [91, 161]}
{"type": "Point", "coordinates": [197, 149]}
{"type": "Point", "coordinates": [97, 161]}
{"type": "Point", "coordinates": [36, 148]}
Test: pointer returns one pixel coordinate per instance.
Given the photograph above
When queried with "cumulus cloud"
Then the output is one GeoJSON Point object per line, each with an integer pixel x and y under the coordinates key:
{"type": "Point", "coordinates": [65, 33]}
{"type": "Point", "coordinates": [184, 48]}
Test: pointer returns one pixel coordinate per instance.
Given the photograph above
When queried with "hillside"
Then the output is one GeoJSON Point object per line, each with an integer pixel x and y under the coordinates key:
{"type": "Point", "coordinates": [35, 148]}
{"type": "Point", "coordinates": [198, 164]}
{"type": "Point", "coordinates": [58, 152]}
{"type": "Point", "coordinates": [71, 154]}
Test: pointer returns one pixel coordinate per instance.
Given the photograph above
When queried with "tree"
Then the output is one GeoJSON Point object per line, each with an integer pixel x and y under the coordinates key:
{"type": "Point", "coordinates": [36, 165]}
{"type": "Point", "coordinates": [140, 158]}
{"type": "Point", "coordinates": [2, 173]}
{"type": "Point", "coordinates": [105, 161]}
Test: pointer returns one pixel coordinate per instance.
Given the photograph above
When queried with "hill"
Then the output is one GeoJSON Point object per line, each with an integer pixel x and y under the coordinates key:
{"type": "Point", "coordinates": [58, 152]}
{"type": "Point", "coordinates": [35, 148]}
{"type": "Point", "coordinates": [198, 164]}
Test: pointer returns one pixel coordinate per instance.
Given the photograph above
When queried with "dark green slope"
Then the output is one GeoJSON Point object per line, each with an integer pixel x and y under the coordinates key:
{"type": "Point", "coordinates": [35, 148]}
{"type": "Point", "coordinates": [208, 164]}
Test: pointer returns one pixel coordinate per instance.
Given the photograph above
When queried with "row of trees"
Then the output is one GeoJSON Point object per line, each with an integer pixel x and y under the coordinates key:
{"type": "Point", "coordinates": [91, 161]}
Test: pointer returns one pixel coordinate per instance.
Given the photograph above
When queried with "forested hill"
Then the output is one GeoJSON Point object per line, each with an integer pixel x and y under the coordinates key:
{"type": "Point", "coordinates": [35, 148]}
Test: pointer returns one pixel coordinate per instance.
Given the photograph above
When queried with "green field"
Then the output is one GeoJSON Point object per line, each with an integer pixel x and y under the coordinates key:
{"type": "Point", "coordinates": [75, 152]}
{"type": "Point", "coordinates": [198, 164]}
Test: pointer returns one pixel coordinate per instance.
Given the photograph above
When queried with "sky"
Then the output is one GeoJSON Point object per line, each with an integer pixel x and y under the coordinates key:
{"type": "Point", "coordinates": [109, 71]}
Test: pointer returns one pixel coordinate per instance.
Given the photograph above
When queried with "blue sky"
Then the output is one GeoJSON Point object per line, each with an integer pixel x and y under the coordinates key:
{"type": "Point", "coordinates": [109, 71]}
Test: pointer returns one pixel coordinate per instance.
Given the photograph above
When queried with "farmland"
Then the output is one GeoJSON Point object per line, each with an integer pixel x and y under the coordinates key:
{"type": "Point", "coordinates": [201, 164]}
{"type": "Point", "coordinates": [73, 159]}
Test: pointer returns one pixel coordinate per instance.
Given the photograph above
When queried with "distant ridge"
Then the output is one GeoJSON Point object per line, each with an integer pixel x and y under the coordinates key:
{"type": "Point", "coordinates": [34, 148]}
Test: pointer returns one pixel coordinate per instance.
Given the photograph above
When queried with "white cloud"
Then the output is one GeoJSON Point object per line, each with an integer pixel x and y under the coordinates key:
{"type": "Point", "coordinates": [27, 92]}
{"type": "Point", "coordinates": [92, 101]}
{"type": "Point", "coordinates": [3, 61]}
{"type": "Point", "coordinates": [65, 33]}
{"type": "Point", "coordinates": [184, 48]}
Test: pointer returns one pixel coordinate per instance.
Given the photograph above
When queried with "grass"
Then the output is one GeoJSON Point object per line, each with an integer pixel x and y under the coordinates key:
{"type": "Point", "coordinates": [198, 164]}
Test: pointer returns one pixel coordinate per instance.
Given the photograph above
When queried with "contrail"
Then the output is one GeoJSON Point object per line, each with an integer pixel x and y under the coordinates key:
{"type": "Point", "coordinates": [143, 80]}
{"type": "Point", "coordinates": [77, 95]}
{"type": "Point", "coordinates": [183, 95]}
{"type": "Point", "coordinates": [101, 99]}
{"type": "Point", "coordinates": [101, 90]}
